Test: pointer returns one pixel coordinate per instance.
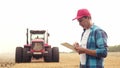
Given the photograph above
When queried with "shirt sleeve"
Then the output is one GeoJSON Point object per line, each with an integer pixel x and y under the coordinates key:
{"type": "Point", "coordinates": [101, 42]}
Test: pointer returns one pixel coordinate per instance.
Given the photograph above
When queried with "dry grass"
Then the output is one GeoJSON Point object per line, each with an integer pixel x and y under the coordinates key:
{"type": "Point", "coordinates": [67, 60]}
{"type": "Point", "coordinates": [113, 60]}
{"type": "Point", "coordinates": [6, 60]}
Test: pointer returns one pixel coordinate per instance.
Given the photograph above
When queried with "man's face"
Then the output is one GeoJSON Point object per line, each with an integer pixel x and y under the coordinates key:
{"type": "Point", "coordinates": [84, 22]}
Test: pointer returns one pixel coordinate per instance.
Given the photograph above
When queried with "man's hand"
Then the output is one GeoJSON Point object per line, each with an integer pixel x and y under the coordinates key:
{"type": "Point", "coordinates": [78, 48]}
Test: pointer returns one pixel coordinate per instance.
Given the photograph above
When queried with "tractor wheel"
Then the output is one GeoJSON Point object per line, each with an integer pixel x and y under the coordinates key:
{"type": "Point", "coordinates": [55, 54]}
{"type": "Point", "coordinates": [18, 55]}
{"type": "Point", "coordinates": [48, 56]}
{"type": "Point", "coordinates": [26, 55]}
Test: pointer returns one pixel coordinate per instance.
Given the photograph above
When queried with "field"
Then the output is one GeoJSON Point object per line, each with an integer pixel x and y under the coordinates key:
{"type": "Point", "coordinates": [67, 60]}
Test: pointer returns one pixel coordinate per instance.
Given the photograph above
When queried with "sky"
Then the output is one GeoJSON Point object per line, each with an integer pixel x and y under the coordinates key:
{"type": "Point", "coordinates": [56, 17]}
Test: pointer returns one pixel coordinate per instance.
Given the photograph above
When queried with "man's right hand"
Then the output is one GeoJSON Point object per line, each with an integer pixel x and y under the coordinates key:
{"type": "Point", "coordinates": [78, 48]}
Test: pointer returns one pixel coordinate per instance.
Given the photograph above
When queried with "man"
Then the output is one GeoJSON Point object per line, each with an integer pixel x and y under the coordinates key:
{"type": "Point", "coordinates": [93, 44]}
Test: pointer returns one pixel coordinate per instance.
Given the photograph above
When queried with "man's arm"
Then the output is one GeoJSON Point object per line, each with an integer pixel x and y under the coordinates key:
{"type": "Point", "coordinates": [97, 53]}
{"type": "Point", "coordinates": [81, 50]}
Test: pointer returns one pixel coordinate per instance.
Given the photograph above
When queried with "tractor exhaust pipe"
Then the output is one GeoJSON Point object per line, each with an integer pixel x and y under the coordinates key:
{"type": "Point", "coordinates": [27, 37]}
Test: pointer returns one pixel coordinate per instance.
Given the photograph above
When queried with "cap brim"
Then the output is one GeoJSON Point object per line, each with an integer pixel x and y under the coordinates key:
{"type": "Point", "coordinates": [77, 18]}
{"type": "Point", "coordinates": [74, 19]}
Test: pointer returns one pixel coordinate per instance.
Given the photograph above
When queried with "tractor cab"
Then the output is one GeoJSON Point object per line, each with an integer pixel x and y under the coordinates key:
{"type": "Point", "coordinates": [38, 40]}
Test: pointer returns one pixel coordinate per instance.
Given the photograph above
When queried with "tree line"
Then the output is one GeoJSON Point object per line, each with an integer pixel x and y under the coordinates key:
{"type": "Point", "coordinates": [115, 48]}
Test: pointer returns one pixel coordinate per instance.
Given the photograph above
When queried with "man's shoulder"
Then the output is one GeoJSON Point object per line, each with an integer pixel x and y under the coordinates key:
{"type": "Point", "coordinates": [96, 28]}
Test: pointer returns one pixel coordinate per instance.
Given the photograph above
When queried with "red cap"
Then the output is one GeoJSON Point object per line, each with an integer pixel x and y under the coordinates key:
{"type": "Point", "coordinates": [81, 13]}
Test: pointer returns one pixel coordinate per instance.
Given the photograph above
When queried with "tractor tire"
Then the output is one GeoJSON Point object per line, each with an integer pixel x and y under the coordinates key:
{"type": "Point", "coordinates": [19, 54]}
{"type": "Point", "coordinates": [48, 56]}
{"type": "Point", "coordinates": [55, 54]}
{"type": "Point", "coordinates": [26, 55]}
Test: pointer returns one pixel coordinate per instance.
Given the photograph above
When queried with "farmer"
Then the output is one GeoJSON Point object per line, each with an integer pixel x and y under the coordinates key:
{"type": "Point", "coordinates": [93, 44]}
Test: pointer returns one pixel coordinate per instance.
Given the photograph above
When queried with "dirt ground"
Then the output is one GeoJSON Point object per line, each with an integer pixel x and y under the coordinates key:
{"type": "Point", "coordinates": [67, 60]}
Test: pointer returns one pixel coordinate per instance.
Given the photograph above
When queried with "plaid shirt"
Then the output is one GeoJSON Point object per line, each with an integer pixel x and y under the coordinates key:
{"type": "Point", "coordinates": [97, 40]}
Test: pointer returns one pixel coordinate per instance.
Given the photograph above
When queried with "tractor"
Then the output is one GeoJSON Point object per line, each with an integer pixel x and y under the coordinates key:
{"type": "Point", "coordinates": [38, 48]}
